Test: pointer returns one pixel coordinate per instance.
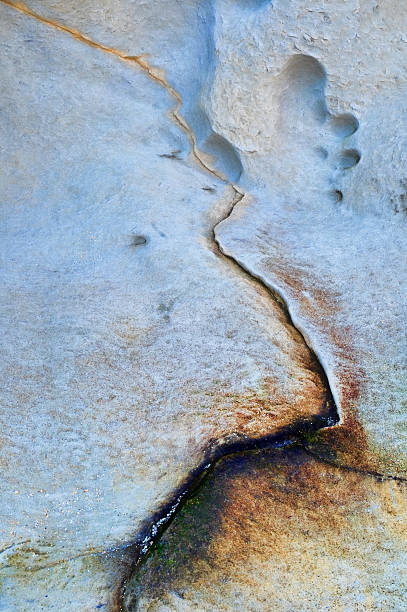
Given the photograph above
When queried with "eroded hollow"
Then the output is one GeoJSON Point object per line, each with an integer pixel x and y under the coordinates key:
{"type": "Point", "coordinates": [138, 240]}
{"type": "Point", "coordinates": [227, 158]}
{"type": "Point", "coordinates": [302, 84]}
{"type": "Point", "coordinates": [344, 125]}
{"type": "Point", "coordinates": [349, 159]}
{"type": "Point", "coordinates": [336, 195]}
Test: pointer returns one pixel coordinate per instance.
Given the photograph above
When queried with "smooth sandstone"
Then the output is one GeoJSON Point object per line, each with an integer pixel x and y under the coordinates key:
{"type": "Point", "coordinates": [308, 101]}
{"type": "Point", "coordinates": [313, 99]}
{"type": "Point", "coordinates": [130, 347]}
{"type": "Point", "coordinates": [131, 350]}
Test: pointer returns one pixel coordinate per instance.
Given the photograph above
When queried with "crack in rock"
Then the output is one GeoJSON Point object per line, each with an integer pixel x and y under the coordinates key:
{"type": "Point", "coordinates": [154, 73]}
{"type": "Point", "coordinates": [231, 446]}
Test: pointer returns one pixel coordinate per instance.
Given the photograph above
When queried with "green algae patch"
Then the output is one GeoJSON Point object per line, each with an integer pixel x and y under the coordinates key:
{"type": "Point", "coordinates": [188, 537]}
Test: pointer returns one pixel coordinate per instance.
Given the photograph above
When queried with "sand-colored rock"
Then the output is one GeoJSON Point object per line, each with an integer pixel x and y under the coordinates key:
{"type": "Point", "coordinates": [131, 350]}
{"type": "Point", "coordinates": [281, 531]}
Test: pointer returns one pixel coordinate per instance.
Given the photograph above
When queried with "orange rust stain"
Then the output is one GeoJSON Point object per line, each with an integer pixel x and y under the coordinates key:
{"type": "Point", "coordinates": [275, 500]}
{"type": "Point", "coordinates": [277, 507]}
{"type": "Point", "coordinates": [275, 521]}
{"type": "Point", "coordinates": [154, 73]}
{"type": "Point", "coordinates": [348, 442]}
{"type": "Point", "coordinates": [322, 308]}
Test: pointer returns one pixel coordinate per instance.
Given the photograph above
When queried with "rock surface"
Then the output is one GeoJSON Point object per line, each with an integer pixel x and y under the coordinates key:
{"type": "Point", "coordinates": [290, 93]}
{"type": "Point", "coordinates": [131, 349]}
{"type": "Point", "coordinates": [280, 531]}
{"type": "Point", "coordinates": [313, 99]}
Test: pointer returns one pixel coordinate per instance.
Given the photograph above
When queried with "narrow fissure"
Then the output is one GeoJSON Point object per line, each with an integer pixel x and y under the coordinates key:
{"type": "Point", "coordinates": [294, 434]}
{"type": "Point", "coordinates": [156, 75]}
{"type": "Point", "coordinates": [352, 468]}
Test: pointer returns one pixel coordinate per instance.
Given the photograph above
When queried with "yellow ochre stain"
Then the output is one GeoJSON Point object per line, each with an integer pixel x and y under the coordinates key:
{"type": "Point", "coordinates": [154, 73]}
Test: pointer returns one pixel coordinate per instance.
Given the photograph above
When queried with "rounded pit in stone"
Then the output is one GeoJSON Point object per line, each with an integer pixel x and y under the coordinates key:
{"type": "Point", "coordinates": [344, 125]}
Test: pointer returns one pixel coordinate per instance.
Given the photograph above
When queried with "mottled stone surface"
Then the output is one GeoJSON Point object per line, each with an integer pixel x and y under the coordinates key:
{"type": "Point", "coordinates": [281, 531]}
{"type": "Point", "coordinates": [313, 98]}
{"type": "Point", "coordinates": [130, 348]}
{"type": "Point", "coordinates": [309, 100]}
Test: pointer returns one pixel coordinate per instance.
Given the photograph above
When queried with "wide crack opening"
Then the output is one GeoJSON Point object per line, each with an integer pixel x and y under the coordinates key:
{"type": "Point", "coordinates": [296, 435]}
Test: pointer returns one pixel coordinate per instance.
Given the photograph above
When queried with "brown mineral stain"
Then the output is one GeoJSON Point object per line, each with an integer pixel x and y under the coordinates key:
{"type": "Point", "coordinates": [322, 307]}
{"type": "Point", "coordinates": [264, 411]}
{"type": "Point", "coordinates": [279, 524]}
{"type": "Point", "coordinates": [347, 444]}
{"type": "Point", "coordinates": [270, 498]}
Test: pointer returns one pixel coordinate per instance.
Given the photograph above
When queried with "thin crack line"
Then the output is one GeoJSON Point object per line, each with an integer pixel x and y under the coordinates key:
{"type": "Point", "coordinates": [280, 300]}
{"type": "Point", "coordinates": [350, 468]}
{"type": "Point", "coordinates": [275, 295]}
{"type": "Point", "coordinates": [155, 74]}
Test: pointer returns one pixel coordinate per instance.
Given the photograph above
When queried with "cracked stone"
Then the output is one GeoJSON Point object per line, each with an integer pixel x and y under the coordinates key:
{"type": "Point", "coordinates": [321, 131]}
{"type": "Point", "coordinates": [132, 349]}
{"type": "Point", "coordinates": [281, 531]}
{"type": "Point", "coordinates": [124, 360]}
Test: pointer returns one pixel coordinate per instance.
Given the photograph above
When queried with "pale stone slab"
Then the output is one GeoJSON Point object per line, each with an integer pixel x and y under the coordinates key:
{"type": "Point", "coordinates": [175, 37]}
{"type": "Point", "coordinates": [130, 349]}
{"type": "Point", "coordinates": [313, 98]}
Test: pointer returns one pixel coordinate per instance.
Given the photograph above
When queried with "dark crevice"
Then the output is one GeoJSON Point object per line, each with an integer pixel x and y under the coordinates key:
{"type": "Point", "coordinates": [350, 468]}
{"type": "Point", "coordinates": [337, 195]}
{"type": "Point", "coordinates": [155, 527]}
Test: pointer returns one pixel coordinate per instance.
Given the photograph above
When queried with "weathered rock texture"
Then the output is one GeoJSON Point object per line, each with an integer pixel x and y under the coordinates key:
{"type": "Point", "coordinates": [280, 531]}
{"type": "Point", "coordinates": [313, 98]}
{"type": "Point", "coordinates": [131, 349]}
{"type": "Point", "coordinates": [308, 100]}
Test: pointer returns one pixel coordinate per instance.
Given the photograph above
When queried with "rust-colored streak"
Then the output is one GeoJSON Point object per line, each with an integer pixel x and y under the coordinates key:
{"type": "Point", "coordinates": [250, 408]}
{"type": "Point", "coordinates": [270, 499]}
{"type": "Point", "coordinates": [321, 306]}
{"type": "Point", "coordinates": [276, 524]}
{"type": "Point", "coordinates": [154, 73]}
{"type": "Point", "coordinates": [347, 445]}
